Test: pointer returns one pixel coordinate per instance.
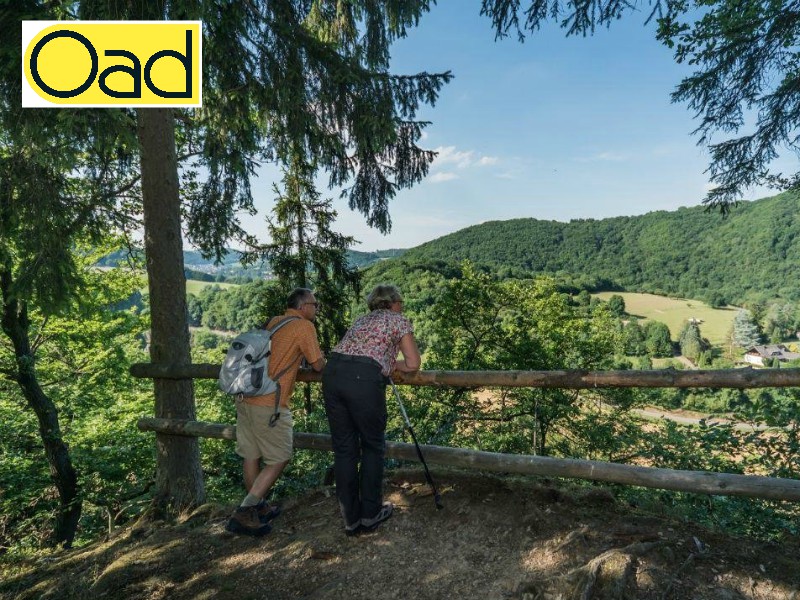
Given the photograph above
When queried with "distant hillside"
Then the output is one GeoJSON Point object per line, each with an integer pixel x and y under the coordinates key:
{"type": "Point", "coordinates": [197, 267]}
{"type": "Point", "coordinates": [365, 259]}
{"type": "Point", "coordinates": [753, 253]}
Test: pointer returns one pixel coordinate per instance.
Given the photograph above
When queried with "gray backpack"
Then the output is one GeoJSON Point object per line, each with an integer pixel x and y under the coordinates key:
{"type": "Point", "coordinates": [245, 371]}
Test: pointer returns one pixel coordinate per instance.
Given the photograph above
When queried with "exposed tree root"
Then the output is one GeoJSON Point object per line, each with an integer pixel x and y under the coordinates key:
{"type": "Point", "coordinates": [607, 576]}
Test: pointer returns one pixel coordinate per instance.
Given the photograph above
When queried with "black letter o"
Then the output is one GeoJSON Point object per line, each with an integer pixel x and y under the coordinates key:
{"type": "Point", "coordinates": [35, 64]}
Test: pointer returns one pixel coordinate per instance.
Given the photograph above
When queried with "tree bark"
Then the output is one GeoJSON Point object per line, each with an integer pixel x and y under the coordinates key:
{"type": "Point", "coordinates": [745, 378]}
{"type": "Point", "coordinates": [16, 326]}
{"type": "Point", "coordinates": [702, 482]}
{"type": "Point", "coordinates": [179, 477]}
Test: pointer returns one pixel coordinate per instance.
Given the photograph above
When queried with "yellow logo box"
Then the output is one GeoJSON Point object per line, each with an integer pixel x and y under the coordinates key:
{"type": "Point", "coordinates": [112, 63]}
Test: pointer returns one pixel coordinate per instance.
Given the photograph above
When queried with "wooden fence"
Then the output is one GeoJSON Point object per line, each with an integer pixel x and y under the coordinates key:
{"type": "Point", "coordinates": [670, 479]}
{"type": "Point", "coordinates": [567, 379]}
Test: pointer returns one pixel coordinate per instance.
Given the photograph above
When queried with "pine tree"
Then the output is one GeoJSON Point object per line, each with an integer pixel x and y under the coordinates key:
{"type": "Point", "coordinates": [279, 75]}
{"type": "Point", "coordinates": [690, 340]}
{"type": "Point", "coordinates": [745, 330]}
{"type": "Point", "coordinates": [305, 251]}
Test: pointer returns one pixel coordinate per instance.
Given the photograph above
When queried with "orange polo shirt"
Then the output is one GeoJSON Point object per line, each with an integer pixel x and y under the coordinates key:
{"type": "Point", "coordinates": [290, 344]}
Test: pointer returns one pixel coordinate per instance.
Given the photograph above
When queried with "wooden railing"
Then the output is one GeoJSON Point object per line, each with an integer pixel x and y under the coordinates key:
{"type": "Point", "coordinates": [686, 481]}
{"type": "Point", "coordinates": [567, 379]}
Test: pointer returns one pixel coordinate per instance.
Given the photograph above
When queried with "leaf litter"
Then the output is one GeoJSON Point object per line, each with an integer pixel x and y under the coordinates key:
{"type": "Point", "coordinates": [505, 538]}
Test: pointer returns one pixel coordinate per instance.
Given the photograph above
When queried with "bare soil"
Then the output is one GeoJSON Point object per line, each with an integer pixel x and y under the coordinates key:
{"type": "Point", "coordinates": [525, 539]}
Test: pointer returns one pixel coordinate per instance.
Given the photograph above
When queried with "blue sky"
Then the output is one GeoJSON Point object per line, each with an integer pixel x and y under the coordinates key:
{"type": "Point", "coordinates": [553, 128]}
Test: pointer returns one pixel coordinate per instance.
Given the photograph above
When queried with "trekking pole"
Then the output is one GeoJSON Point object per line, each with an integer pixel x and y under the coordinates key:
{"type": "Point", "coordinates": [437, 498]}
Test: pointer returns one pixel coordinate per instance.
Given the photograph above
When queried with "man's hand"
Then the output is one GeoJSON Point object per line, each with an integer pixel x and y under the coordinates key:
{"type": "Point", "coordinates": [315, 366]}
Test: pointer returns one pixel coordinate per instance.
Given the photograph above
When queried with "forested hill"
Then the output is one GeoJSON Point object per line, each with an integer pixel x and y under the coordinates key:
{"type": "Point", "coordinates": [753, 253]}
{"type": "Point", "coordinates": [198, 267]}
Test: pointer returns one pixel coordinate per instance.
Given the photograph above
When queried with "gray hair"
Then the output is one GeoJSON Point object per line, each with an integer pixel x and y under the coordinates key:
{"type": "Point", "coordinates": [383, 296]}
{"type": "Point", "coordinates": [297, 297]}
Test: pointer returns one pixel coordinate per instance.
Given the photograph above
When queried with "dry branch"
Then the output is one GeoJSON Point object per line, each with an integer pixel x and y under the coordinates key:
{"type": "Point", "coordinates": [703, 482]}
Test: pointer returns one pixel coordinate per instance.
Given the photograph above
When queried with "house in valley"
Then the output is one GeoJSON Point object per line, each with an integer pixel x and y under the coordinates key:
{"type": "Point", "coordinates": [758, 355]}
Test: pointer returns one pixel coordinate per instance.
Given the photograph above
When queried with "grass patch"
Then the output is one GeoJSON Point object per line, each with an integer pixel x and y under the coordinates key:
{"type": "Point", "coordinates": [674, 312]}
{"type": "Point", "coordinates": [195, 287]}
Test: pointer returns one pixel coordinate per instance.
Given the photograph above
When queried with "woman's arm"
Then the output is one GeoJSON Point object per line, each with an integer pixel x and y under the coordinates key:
{"type": "Point", "coordinates": [411, 360]}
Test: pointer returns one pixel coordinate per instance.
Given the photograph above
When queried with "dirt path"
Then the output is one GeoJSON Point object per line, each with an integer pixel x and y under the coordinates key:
{"type": "Point", "coordinates": [503, 538]}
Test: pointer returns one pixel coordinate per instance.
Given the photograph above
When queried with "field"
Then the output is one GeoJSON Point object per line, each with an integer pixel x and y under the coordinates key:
{"type": "Point", "coordinates": [674, 312]}
{"type": "Point", "coordinates": [195, 287]}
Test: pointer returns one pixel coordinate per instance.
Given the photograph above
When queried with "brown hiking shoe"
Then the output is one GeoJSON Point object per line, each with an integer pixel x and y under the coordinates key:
{"type": "Point", "coordinates": [266, 512]}
{"type": "Point", "coordinates": [245, 520]}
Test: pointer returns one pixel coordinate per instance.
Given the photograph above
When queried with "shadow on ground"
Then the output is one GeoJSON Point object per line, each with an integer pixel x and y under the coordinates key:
{"type": "Point", "coordinates": [496, 538]}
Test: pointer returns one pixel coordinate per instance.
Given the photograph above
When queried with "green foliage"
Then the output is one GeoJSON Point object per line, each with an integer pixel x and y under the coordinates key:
{"type": "Point", "coordinates": [634, 338]}
{"type": "Point", "coordinates": [362, 260]}
{"type": "Point", "coordinates": [483, 323]}
{"type": "Point", "coordinates": [82, 360]}
{"type": "Point", "coordinates": [745, 330]}
{"type": "Point", "coordinates": [238, 308]}
{"type": "Point", "coordinates": [306, 252]}
{"type": "Point", "coordinates": [657, 340]}
{"type": "Point", "coordinates": [781, 321]}
{"type": "Point", "coordinates": [743, 65]}
{"type": "Point", "coordinates": [616, 304]}
{"type": "Point", "coordinates": [691, 342]}
{"type": "Point", "coordinates": [685, 253]}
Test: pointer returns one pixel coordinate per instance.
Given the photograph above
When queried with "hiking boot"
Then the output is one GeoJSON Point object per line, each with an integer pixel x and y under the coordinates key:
{"type": "Point", "coordinates": [354, 529]}
{"type": "Point", "coordinates": [384, 513]}
{"type": "Point", "coordinates": [245, 520]}
{"type": "Point", "coordinates": [266, 512]}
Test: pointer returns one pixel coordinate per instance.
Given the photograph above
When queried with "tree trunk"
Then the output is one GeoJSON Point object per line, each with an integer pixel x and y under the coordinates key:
{"type": "Point", "coordinates": [179, 478]}
{"type": "Point", "coordinates": [16, 325]}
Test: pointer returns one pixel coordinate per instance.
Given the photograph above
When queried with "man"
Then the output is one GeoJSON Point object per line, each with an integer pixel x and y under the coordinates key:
{"type": "Point", "coordinates": [256, 438]}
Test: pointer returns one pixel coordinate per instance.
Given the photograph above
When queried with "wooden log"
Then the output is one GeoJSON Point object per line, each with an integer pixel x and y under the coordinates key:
{"type": "Point", "coordinates": [701, 482]}
{"type": "Point", "coordinates": [567, 379]}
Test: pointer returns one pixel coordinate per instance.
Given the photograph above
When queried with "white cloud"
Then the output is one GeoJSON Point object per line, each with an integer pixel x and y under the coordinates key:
{"type": "Point", "coordinates": [442, 176]}
{"type": "Point", "coordinates": [449, 155]}
{"type": "Point", "coordinates": [604, 157]}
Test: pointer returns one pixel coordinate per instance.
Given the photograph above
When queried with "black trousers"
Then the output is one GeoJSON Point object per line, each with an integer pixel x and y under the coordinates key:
{"type": "Point", "coordinates": [354, 390]}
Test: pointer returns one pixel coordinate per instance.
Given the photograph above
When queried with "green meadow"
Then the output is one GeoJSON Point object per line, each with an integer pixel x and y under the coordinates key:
{"type": "Point", "coordinates": [195, 287]}
{"type": "Point", "coordinates": [674, 312]}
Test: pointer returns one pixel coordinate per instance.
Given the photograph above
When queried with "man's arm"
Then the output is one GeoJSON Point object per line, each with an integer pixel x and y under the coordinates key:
{"type": "Point", "coordinates": [309, 347]}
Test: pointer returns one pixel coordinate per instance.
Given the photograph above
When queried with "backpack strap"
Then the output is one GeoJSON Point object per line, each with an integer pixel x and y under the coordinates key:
{"type": "Point", "coordinates": [281, 324]}
{"type": "Point", "coordinates": [276, 415]}
{"type": "Point", "coordinates": [272, 332]}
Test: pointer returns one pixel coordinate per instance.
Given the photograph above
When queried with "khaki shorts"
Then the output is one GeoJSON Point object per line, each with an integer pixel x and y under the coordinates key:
{"type": "Point", "coordinates": [256, 439]}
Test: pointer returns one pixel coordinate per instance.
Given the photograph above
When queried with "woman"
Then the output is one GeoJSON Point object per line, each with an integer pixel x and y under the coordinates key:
{"type": "Point", "coordinates": [354, 388]}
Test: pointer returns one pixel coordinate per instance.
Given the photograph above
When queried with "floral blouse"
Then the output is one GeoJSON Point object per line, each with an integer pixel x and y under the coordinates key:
{"type": "Point", "coordinates": [377, 336]}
